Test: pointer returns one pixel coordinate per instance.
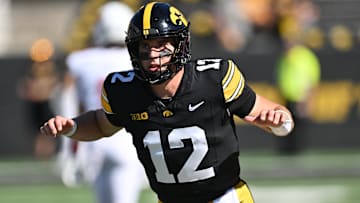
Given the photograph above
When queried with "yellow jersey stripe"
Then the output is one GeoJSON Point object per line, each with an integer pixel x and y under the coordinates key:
{"type": "Point", "coordinates": [146, 18]}
{"type": "Point", "coordinates": [105, 102]}
{"type": "Point", "coordinates": [240, 88]}
{"type": "Point", "coordinates": [228, 75]}
{"type": "Point", "coordinates": [233, 82]}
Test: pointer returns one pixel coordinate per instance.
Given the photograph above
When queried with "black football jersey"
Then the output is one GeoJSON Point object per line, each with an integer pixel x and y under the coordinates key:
{"type": "Point", "coordinates": [188, 144]}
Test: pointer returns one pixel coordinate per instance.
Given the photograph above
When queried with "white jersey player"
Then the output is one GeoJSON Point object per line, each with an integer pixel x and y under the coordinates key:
{"type": "Point", "coordinates": [110, 164]}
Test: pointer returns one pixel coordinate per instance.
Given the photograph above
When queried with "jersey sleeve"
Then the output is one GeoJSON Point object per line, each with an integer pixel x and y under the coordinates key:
{"type": "Point", "coordinates": [239, 97]}
{"type": "Point", "coordinates": [106, 106]}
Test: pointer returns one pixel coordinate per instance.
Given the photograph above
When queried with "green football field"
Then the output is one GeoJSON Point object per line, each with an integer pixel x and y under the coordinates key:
{"type": "Point", "coordinates": [316, 177]}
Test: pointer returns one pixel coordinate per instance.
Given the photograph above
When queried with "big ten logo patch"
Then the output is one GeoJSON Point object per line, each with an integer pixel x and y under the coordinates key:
{"type": "Point", "coordinates": [139, 116]}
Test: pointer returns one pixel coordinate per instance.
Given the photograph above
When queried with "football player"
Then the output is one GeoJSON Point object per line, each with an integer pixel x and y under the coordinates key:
{"type": "Point", "coordinates": [179, 112]}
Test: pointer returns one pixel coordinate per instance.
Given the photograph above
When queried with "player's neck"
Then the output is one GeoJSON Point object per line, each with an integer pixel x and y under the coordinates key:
{"type": "Point", "coordinates": [168, 89]}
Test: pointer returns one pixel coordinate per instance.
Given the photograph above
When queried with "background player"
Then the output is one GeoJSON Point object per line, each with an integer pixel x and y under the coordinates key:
{"type": "Point", "coordinates": [110, 164]}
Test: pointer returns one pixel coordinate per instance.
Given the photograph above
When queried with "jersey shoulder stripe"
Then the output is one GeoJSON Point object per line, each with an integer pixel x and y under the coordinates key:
{"type": "Point", "coordinates": [105, 102]}
{"type": "Point", "coordinates": [230, 76]}
{"type": "Point", "coordinates": [233, 82]}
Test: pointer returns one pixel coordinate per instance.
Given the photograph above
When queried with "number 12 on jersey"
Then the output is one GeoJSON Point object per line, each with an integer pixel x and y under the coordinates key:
{"type": "Point", "coordinates": [189, 171]}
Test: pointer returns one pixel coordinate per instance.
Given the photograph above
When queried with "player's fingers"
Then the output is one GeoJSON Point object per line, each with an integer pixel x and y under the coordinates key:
{"type": "Point", "coordinates": [271, 116]}
{"type": "Point", "coordinates": [51, 127]}
{"type": "Point", "coordinates": [69, 122]}
{"type": "Point", "coordinates": [250, 118]}
{"type": "Point", "coordinates": [50, 132]}
{"type": "Point", "coordinates": [285, 117]}
{"type": "Point", "coordinates": [59, 123]}
{"type": "Point", "coordinates": [277, 118]}
{"type": "Point", "coordinates": [263, 115]}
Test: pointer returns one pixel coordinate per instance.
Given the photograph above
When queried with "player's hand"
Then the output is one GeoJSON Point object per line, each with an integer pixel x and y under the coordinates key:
{"type": "Point", "coordinates": [57, 125]}
{"type": "Point", "coordinates": [273, 118]}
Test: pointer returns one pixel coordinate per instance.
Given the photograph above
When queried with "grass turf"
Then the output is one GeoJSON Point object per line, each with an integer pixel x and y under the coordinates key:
{"type": "Point", "coordinates": [318, 177]}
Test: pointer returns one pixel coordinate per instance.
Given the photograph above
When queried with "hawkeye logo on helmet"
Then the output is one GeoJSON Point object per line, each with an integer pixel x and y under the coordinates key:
{"type": "Point", "coordinates": [177, 17]}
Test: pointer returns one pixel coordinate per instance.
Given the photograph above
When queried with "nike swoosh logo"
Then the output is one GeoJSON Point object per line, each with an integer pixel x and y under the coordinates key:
{"type": "Point", "coordinates": [196, 106]}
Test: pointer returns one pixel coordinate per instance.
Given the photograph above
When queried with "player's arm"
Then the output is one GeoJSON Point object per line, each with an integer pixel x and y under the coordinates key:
{"type": "Point", "coordinates": [249, 106]}
{"type": "Point", "coordinates": [88, 126]}
{"type": "Point", "coordinates": [270, 116]}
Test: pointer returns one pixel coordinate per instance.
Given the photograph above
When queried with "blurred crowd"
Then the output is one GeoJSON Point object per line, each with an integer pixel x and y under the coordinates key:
{"type": "Point", "coordinates": [265, 22]}
{"type": "Point", "coordinates": [236, 24]}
